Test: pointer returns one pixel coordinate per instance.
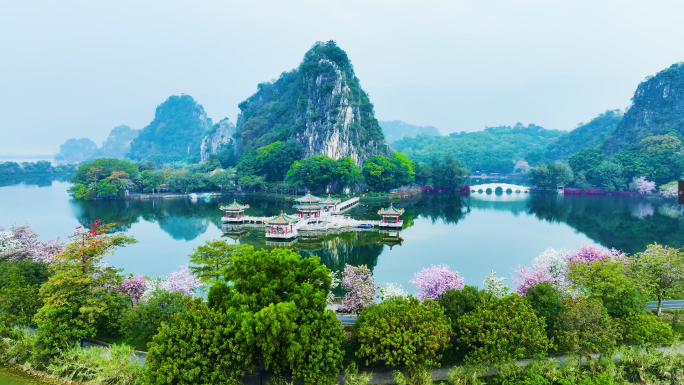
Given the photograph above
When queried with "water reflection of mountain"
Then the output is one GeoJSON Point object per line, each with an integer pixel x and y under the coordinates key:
{"type": "Point", "coordinates": [628, 224]}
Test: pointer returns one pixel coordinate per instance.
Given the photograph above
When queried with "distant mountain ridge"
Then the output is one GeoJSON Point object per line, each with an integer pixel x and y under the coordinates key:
{"type": "Point", "coordinates": [116, 145]}
{"type": "Point", "coordinates": [396, 129]}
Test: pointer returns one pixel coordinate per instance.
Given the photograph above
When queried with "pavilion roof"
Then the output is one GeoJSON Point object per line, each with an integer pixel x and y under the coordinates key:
{"type": "Point", "coordinates": [234, 207]}
{"type": "Point", "coordinates": [309, 206]}
{"type": "Point", "coordinates": [390, 211]}
{"type": "Point", "coordinates": [330, 201]}
{"type": "Point", "coordinates": [281, 219]}
{"type": "Point", "coordinates": [308, 198]}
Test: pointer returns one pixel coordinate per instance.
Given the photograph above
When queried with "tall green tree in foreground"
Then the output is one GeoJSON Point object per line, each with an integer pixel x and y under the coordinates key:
{"type": "Point", "coordinates": [661, 270]}
{"type": "Point", "coordinates": [75, 298]}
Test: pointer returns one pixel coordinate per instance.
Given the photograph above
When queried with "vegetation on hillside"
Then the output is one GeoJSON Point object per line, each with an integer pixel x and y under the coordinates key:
{"type": "Point", "coordinates": [496, 149]}
{"type": "Point", "coordinates": [396, 129]}
{"type": "Point", "coordinates": [175, 133]}
{"type": "Point", "coordinates": [41, 167]}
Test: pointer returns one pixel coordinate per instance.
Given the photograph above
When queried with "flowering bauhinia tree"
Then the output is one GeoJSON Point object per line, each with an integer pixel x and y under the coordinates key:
{"type": "Point", "coordinates": [21, 242]}
{"type": "Point", "coordinates": [434, 281]}
{"type": "Point", "coordinates": [392, 290]}
{"type": "Point", "coordinates": [495, 285]}
{"type": "Point", "coordinates": [643, 185]}
{"type": "Point", "coordinates": [182, 280]}
{"type": "Point", "coordinates": [133, 286]}
{"type": "Point", "coordinates": [550, 266]}
{"type": "Point", "coordinates": [361, 289]}
{"type": "Point", "coordinates": [588, 254]}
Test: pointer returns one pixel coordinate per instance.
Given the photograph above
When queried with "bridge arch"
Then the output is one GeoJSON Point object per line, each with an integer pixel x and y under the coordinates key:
{"type": "Point", "coordinates": [507, 188]}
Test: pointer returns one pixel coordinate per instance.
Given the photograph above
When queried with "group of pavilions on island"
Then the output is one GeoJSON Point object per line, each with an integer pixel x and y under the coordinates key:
{"type": "Point", "coordinates": [284, 226]}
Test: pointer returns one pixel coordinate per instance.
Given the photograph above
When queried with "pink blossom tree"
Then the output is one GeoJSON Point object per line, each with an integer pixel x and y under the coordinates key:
{"type": "Point", "coordinates": [21, 242]}
{"type": "Point", "coordinates": [588, 254]}
{"type": "Point", "coordinates": [643, 185]}
{"type": "Point", "coordinates": [133, 286]}
{"type": "Point", "coordinates": [433, 281]}
{"type": "Point", "coordinates": [360, 286]}
{"type": "Point", "coordinates": [550, 266]}
{"type": "Point", "coordinates": [182, 281]}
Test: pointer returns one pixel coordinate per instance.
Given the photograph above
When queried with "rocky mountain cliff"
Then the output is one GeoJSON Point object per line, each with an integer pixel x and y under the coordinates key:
{"type": "Point", "coordinates": [118, 143]}
{"type": "Point", "coordinates": [220, 137]}
{"type": "Point", "coordinates": [320, 105]}
{"type": "Point", "coordinates": [657, 108]}
{"type": "Point", "coordinates": [175, 134]}
{"type": "Point", "coordinates": [396, 130]}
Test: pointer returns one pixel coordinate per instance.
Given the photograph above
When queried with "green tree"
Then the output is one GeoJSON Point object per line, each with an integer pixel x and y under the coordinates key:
{"type": "Point", "coordinates": [551, 175]}
{"type": "Point", "coordinates": [151, 180]}
{"type": "Point", "coordinates": [457, 303]}
{"type": "Point", "coordinates": [347, 174]}
{"type": "Point", "coordinates": [314, 173]}
{"type": "Point", "coordinates": [139, 323]}
{"type": "Point", "coordinates": [212, 257]}
{"type": "Point", "coordinates": [382, 173]}
{"type": "Point", "coordinates": [280, 298]}
{"type": "Point", "coordinates": [610, 283]}
{"type": "Point", "coordinates": [448, 172]}
{"type": "Point", "coordinates": [586, 160]}
{"type": "Point", "coordinates": [276, 158]}
{"type": "Point", "coordinates": [546, 302]}
{"type": "Point", "coordinates": [585, 328]}
{"type": "Point", "coordinates": [224, 179]}
{"type": "Point", "coordinates": [75, 297]}
{"type": "Point", "coordinates": [18, 301]}
{"type": "Point", "coordinates": [502, 331]}
{"type": "Point", "coordinates": [609, 176]}
{"type": "Point", "coordinates": [199, 347]}
{"type": "Point", "coordinates": [661, 270]}
{"type": "Point", "coordinates": [106, 189]}
{"type": "Point", "coordinates": [402, 331]}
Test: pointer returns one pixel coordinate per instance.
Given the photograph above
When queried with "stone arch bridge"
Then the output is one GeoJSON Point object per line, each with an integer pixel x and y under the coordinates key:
{"type": "Point", "coordinates": [504, 187]}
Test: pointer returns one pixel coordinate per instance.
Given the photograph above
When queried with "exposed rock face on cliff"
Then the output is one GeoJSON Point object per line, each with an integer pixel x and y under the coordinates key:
{"type": "Point", "coordinates": [219, 138]}
{"type": "Point", "coordinates": [175, 134]}
{"type": "Point", "coordinates": [118, 143]}
{"type": "Point", "coordinates": [657, 108]}
{"type": "Point", "coordinates": [320, 105]}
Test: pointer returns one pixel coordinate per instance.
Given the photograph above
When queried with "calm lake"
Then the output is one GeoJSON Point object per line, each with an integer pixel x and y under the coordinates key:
{"type": "Point", "coordinates": [473, 235]}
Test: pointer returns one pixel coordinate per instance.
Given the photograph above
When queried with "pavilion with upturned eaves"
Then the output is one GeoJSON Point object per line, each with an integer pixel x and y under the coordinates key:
{"type": "Point", "coordinates": [235, 212]}
{"type": "Point", "coordinates": [330, 202]}
{"type": "Point", "coordinates": [390, 216]}
{"type": "Point", "coordinates": [281, 227]}
{"type": "Point", "coordinates": [309, 206]}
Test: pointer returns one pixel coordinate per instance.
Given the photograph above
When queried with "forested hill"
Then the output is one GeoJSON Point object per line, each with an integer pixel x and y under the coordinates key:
{"type": "Point", "coordinates": [657, 109]}
{"type": "Point", "coordinates": [496, 149]}
{"type": "Point", "coordinates": [175, 134]}
{"type": "Point", "coordinates": [320, 105]}
{"type": "Point", "coordinates": [585, 135]}
{"type": "Point", "coordinates": [396, 129]}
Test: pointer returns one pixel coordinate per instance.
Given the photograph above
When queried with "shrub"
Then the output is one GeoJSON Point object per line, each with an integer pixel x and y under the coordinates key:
{"type": "Point", "coordinates": [96, 365]}
{"type": "Point", "coordinates": [402, 331]}
{"type": "Point", "coordinates": [584, 327]}
{"type": "Point", "coordinates": [502, 331]}
{"type": "Point", "coordinates": [18, 302]}
{"type": "Point", "coordinates": [16, 346]}
{"type": "Point", "coordinates": [199, 348]}
{"type": "Point", "coordinates": [645, 328]}
{"type": "Point", "coordinates": [352, 376]}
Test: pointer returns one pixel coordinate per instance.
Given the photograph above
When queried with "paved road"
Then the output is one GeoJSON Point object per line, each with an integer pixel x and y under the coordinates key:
{"type": "Point", "coordinates": [671, 304]}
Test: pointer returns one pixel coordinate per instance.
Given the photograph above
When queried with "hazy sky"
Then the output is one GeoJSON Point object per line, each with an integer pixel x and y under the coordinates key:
{"type": "Point", "coordinates": [79, 68]}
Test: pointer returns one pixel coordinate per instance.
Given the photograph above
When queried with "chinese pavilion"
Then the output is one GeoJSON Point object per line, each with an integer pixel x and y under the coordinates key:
{"type": "Point", "coordinates": [235, 212]}
{"type": "Point", "coordinates": [309, 206]}
{"type": "Point", "coordinates": [281, 227]}
{"type": "Point", "coordinates": [390, 216]}
{"type": "Point", "coordinates": [330, 203]}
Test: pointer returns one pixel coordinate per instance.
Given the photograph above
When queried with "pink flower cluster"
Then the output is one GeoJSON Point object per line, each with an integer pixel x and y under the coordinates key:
{"type": "Point", "coordinates": [644, 186]}
{"type": "Point", "coordinates": [361, 288]}
{"type": "Point", "coordinates": [434, 281]}
{"type": "Point", "coordinates": [133, 286]}
{"type": "Point", "coordinates": [182, 281]}
{"type": "Point", "coordinates": [588, 254]}
{"type": "Point", "coordinates": [21, 242]}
